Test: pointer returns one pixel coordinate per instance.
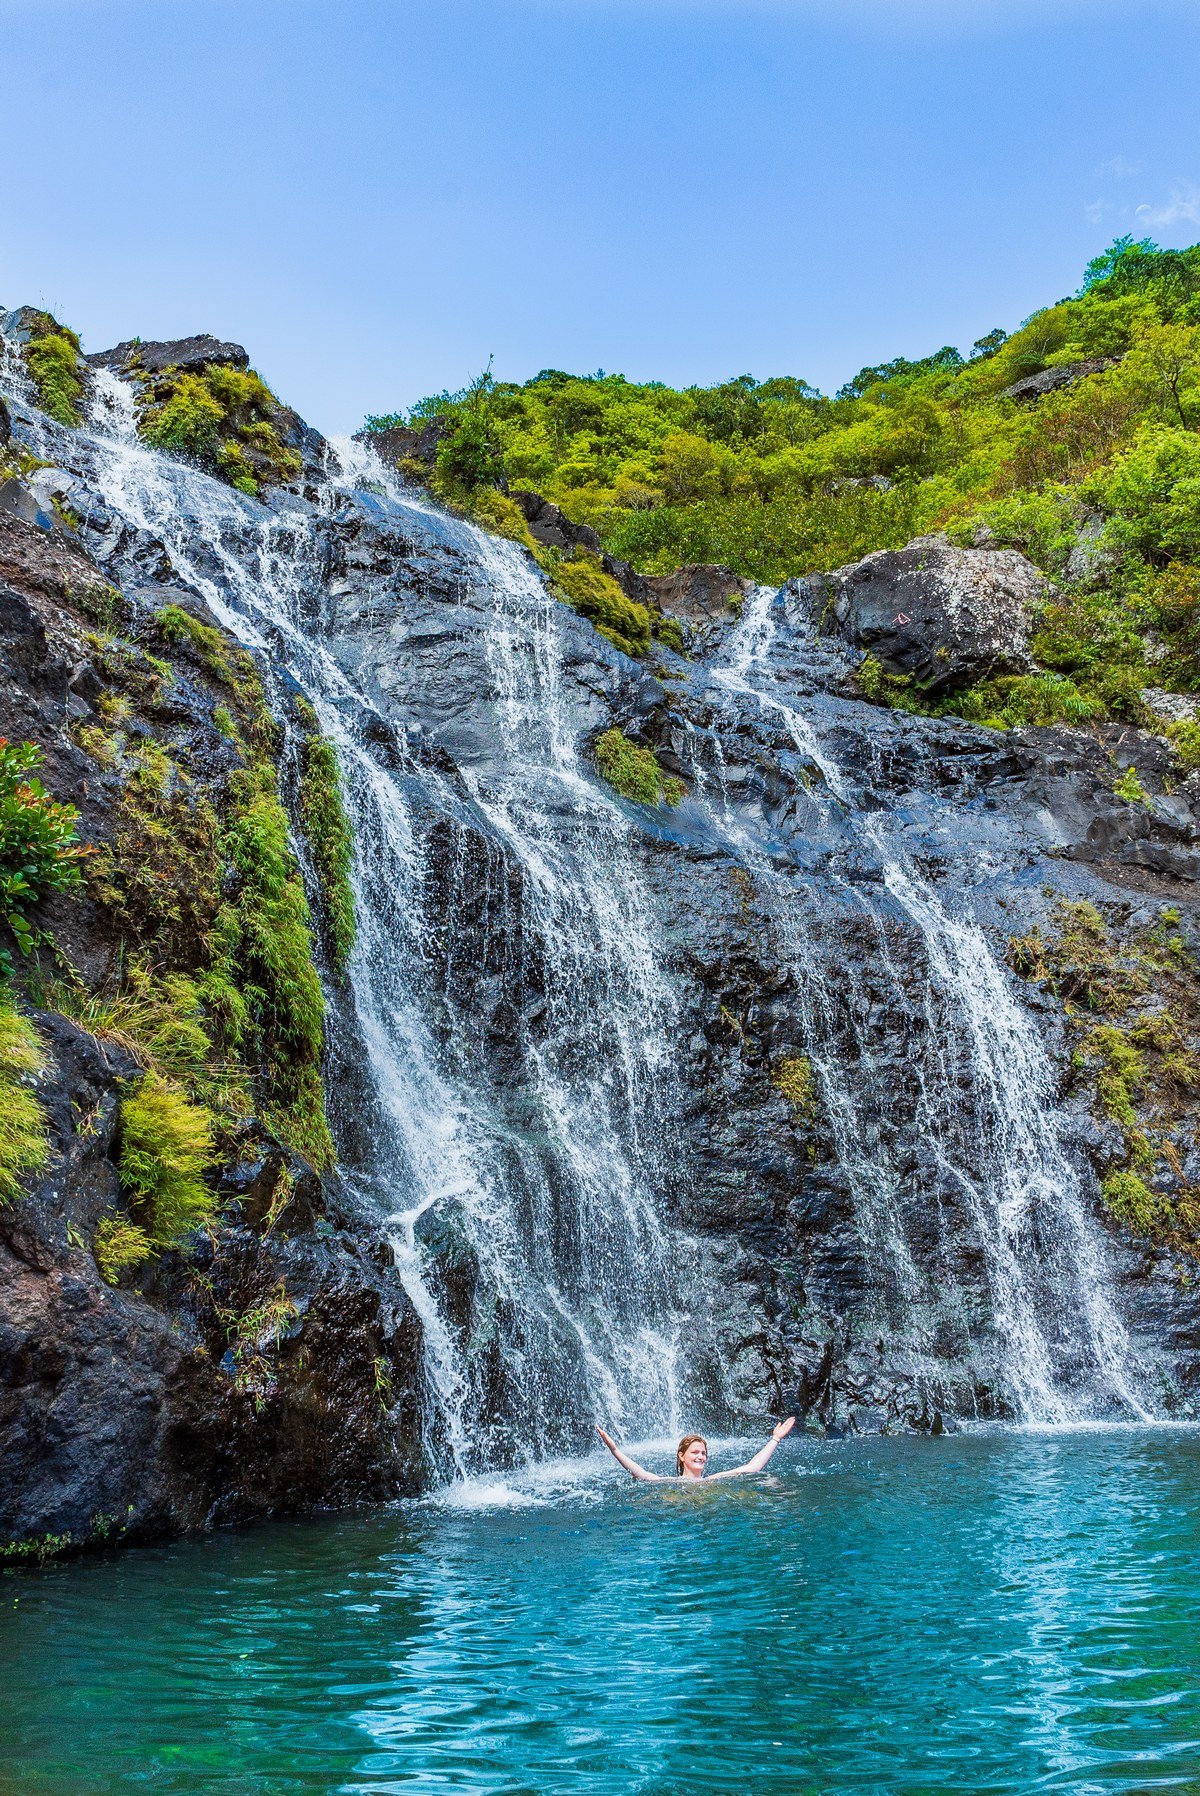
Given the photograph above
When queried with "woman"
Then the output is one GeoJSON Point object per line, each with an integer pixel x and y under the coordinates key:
{"type": "Point", "coordinates": [691, 1457]}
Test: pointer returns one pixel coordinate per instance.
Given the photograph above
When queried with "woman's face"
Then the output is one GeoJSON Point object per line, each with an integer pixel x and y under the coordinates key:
{"type": "Point", "coordinates": [695, 1459]}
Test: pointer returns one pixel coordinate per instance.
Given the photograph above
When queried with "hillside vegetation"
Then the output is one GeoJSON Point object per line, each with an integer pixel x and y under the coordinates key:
{"type": "Point", "coordinates": [1097, 480]}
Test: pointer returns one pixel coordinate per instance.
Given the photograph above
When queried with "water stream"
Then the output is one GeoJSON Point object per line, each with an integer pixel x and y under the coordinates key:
{"type": "Point", "coordinates": [977, 1079]}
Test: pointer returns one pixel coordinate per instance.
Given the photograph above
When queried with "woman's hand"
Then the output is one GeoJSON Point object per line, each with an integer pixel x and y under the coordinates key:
{"type": "Point", "coordinates": [782, 1428]}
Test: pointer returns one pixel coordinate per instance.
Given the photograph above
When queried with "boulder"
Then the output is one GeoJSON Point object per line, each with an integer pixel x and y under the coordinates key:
{"type": "Point", "coordinates": [1050, 380]}
{"type": "Point", "coordinates": [945, 616]}
{"type": "Point", "coordinates": [407, 443]}
{"type": "Point", "coordinates": [698, 593]}
{"type": "Point", "coordinates": [191, 354]}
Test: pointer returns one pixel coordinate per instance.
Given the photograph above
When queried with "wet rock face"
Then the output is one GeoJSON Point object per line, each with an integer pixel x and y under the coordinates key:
{"type": "Point", "coordinates": [274, 1368]}
{"type": "Point", "coordinates": [135, 1412]}
{"type": "Point", "coordinates": [945, 616]}
{"type": "Point", "coordinates": [769, 907]}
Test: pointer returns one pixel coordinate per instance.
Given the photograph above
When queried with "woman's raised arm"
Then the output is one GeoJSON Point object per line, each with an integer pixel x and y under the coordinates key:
{"type": "Point", "coordinates": [761, 1457]}
{"type": "Point", "coordinates": [631, 1465]}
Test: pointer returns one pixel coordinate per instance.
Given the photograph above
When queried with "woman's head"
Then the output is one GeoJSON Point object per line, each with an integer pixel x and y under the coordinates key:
{"type": "Point", "coordinates": [691, 1456]}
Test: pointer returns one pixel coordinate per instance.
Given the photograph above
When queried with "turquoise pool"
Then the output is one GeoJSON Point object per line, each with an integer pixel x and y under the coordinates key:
{"type": "Point", "coordinates": [1003, 1613]}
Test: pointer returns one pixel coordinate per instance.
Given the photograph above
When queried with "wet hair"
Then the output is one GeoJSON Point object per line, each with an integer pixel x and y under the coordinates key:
{"type": "Point", "coordinates": [689, 1440]}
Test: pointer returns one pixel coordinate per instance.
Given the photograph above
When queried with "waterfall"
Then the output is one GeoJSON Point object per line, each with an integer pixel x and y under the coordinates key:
{"type": "Point", "coordinates": [544, 1192]}
{"type": "Point", "coordinates": [981, 1090]}
{"type": "Point", "coordinates": [526, 1183]}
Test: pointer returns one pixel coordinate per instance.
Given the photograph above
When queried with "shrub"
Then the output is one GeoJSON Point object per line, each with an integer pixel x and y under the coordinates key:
{"type": "Point", "coordinates": [166, 1148]}
{"type": "Point", "coordinates": [633, 771]}
{"type": "Point", "coordinates": [24, 1145]}
{"type": "Point", "coordinates": [119, 1246]}
{"type": "Point", "coordinates": [38, 843]}
{"type": "Point", "coordinates": [495, 511]}
{"type": "Point", "coordinates": [1130, 788]}
{"type": "Point", "coordinates": [188, 420]}
{"type": "Point", "coordinates": [1184, 737]}
{"type": "Point", "coordinates": [223, 418]}
{"type": "Point", "coordinates": [53, 362]}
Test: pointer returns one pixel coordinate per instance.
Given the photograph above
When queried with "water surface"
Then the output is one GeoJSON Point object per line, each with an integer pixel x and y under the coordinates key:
{"type": "Point", "coordinates": [1005, 1613]}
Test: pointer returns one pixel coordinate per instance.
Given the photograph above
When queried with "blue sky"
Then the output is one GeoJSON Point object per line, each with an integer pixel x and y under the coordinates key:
{"type": "Point", "coordinates": [375, 196]}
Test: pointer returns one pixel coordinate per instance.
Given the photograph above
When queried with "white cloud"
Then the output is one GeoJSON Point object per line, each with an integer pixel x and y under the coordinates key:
{"type": "Point", "coordinates": [1094, 211]}
{"type": "Point", "coordinates": [1120, 168]}
{"type": "Point", "coordinates": [1181, 207]}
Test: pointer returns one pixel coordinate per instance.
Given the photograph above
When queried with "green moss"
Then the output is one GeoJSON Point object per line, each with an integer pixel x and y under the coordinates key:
{"type": "Point", "coordinates": [1121, 1071]}
{"type": "Point", "coordinates": [1081, 966]}
{"type": "Point", "coordinates": [1131, 1201]}
{"type": "Point", "coordinates": [54, 365]}
{"type": "Point", "coordinates": [328, 830]}
{"type": "Point", "coordinates": [119, 1246]}
{"type": "Point", "coordinates": [166, 1149]}
{"type": "Point", "coordinates": [596, 596]}
{"type": "Point", "coordinates": [633, 771]}
{"type": "Point", "coordinates": [271, 945]}
{"type": "Point", "coordinates": [883, 688]}
{"type": "Point", "coordinates": [224, 660]}
{"type": "Point", "coordinates": [793, 1077]}
{"type": "Point", "coordinates": [669, 630]}
{"type": "Point", "coordinates": [24, 1144]}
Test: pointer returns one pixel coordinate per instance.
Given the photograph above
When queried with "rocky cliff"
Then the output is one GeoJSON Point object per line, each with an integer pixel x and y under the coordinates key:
{"type": "Point", "coordinates": [786, 1064]}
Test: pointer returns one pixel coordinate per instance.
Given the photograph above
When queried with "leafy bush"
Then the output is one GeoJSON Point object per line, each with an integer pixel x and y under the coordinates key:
{"type": "Point", "coordinates": [633, 771]}
{"type": "Point", "coordinates": [166, 1148]}
{"type": "Point", "coordinates": [24, 1145]}
{"type": "Point", "coordinates": [119, 1246]}
{"type": "Point", "coordinates": [38, 841]}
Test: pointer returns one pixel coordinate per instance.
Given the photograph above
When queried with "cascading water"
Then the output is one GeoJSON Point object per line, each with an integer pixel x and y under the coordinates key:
{"type": "Point", "coordinates": [542, 1193]}
{"type": "Point", "coordinates": [978, 1085]}
{"type": "Point", "coordinates": [525, 1180]}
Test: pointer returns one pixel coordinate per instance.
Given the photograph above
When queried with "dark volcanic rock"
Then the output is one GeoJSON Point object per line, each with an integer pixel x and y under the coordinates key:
{"type": "Point", "coordinates": [1053, 380]}
{"type": "Point", "coordinates": [162, 1405]}
{"type": "Point", "coordinates": [188, 354]}
{"type": "Point", "coordinates": [550, 525]}
{"type": "Point", "coordinates": [404, 443]}
{"type": "Point", "coordinates": [127, 1412]}
{"type": "Point", "coordinates": [945, 616]}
